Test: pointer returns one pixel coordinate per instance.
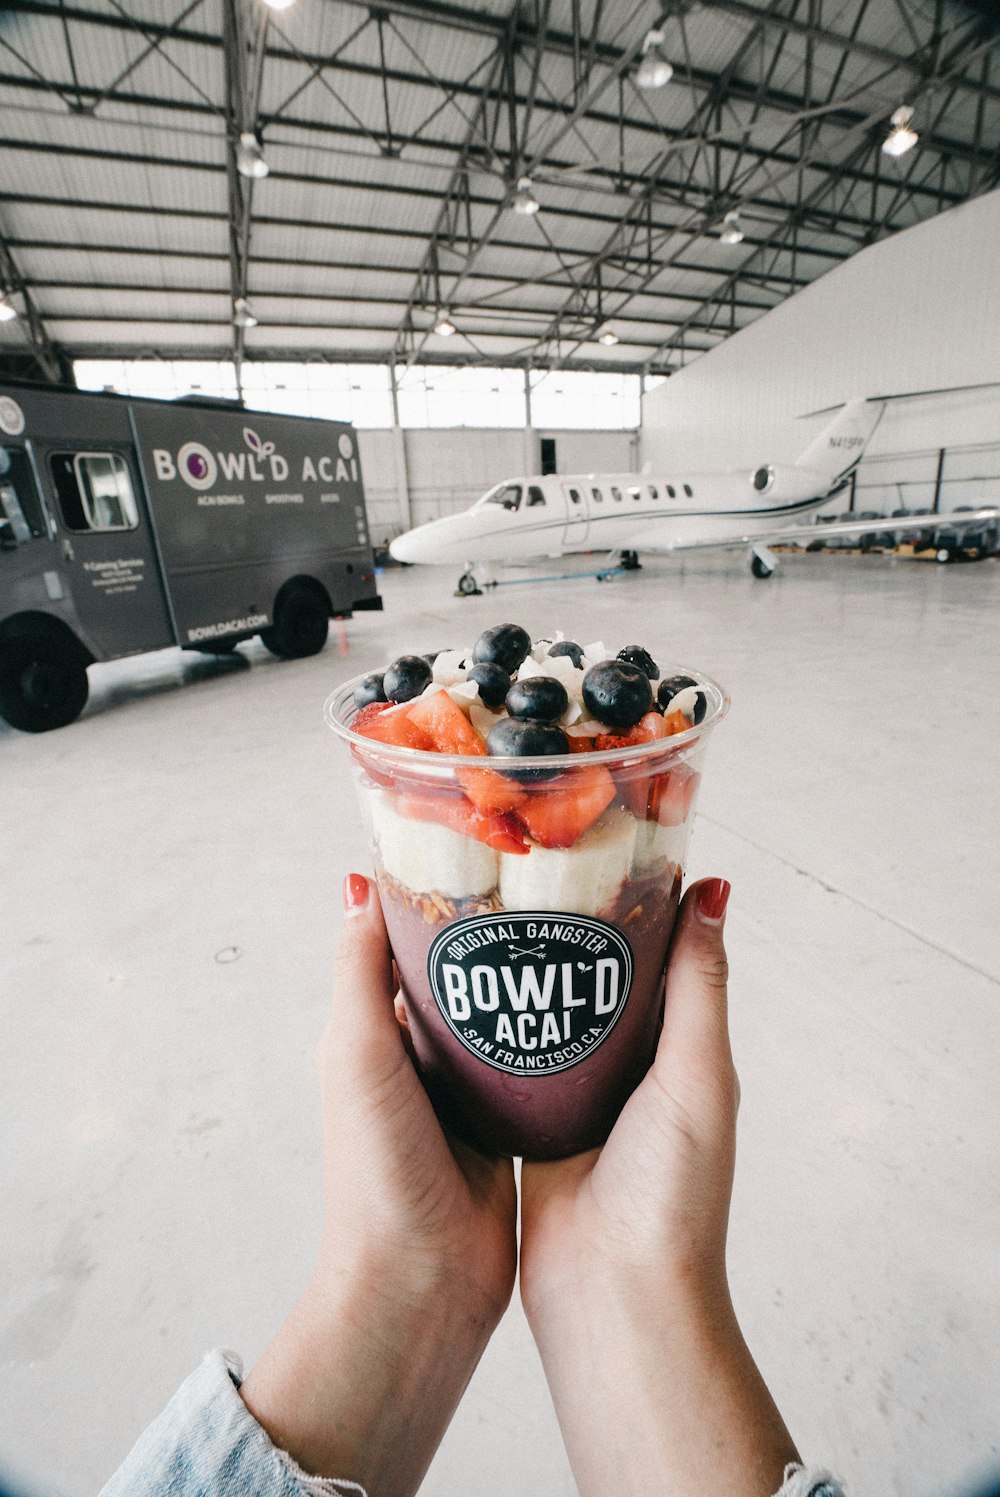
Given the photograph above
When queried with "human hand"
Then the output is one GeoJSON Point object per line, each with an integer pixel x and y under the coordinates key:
{"type": "Point", "coordinates": [623, 1275]}
{"type": "Point", "coordinates": [418, 1251]}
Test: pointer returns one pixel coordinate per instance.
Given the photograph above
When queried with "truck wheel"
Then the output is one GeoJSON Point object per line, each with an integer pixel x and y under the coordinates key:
{"type": "Point", "coordinates": [301, 624]}
{"type": "Point", "coordinates": [42, 685]}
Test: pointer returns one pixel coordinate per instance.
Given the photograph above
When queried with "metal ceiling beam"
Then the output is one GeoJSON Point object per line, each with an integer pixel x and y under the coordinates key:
{"type": "Point", "coordinates": [45, 354]}
{"type": "Point", "coordinates": [244, 34]}
{"type": "Point", "coordinates": [298, 355]}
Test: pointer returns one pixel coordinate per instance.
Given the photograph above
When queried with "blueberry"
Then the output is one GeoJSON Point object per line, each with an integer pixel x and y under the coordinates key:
{"type": "Point", "coordinates": [668, 688]}
{"type": "Point", "coordinates": [567, 647]}
{"type": "Point", "coordinates": [539, 698]}
{"type": "Point", "coordinates": [406, 678]}
{"type": "Point", "coordinates": [369, 689]}
{"type": "Point", "coordinates": [506, 645]}
{"type": "Point", "coordinates": [516, 738]}
{"type": "Point", "coordinates": [493, 682]}
{"type": "Point", "coordinates": [617, 693]}
{"type": "Point", "coordinates": [636, 655]}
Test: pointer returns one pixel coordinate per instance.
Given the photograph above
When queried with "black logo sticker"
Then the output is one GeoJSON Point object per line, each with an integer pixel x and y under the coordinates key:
{"type": "Point", "coordinates": [530, 991]}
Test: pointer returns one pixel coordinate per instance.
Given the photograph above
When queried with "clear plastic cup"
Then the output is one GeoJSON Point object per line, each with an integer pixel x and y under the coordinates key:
{"type": "Point", "coordinates": [530, 952]}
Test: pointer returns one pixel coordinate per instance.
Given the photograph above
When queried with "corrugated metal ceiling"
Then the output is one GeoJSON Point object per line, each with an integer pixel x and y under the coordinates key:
{"type": "Point", "coordinates": [395, 137]}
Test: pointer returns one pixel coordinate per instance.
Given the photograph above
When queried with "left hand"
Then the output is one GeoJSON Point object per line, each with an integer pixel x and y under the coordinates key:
{"type": "Point", "coordinates": [418, 1252]}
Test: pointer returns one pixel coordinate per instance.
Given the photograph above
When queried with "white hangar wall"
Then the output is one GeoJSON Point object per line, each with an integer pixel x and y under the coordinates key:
{"type": "Point", "coordinates": [918, 311]}
{"type": "Point", "coordinates": [414, 475]}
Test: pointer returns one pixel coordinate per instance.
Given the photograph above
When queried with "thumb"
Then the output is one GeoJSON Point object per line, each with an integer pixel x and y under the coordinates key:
{"type": "Point", "coordinates": [693, 1055]}
{"type": "Point", "coordinates": [363, 1039]}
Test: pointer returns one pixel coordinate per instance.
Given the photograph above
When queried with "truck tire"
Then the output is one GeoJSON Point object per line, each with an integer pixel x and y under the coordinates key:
{"type": "Point", "coordinates": [300, 627]}
{"type": "Point", "coordinates": [43, 685]}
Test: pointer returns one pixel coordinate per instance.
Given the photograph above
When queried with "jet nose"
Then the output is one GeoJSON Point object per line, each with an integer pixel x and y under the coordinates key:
{"type": "Point", "coordinates": [408, 547]}
{"type": "Point", "coordinates": [443, 540]}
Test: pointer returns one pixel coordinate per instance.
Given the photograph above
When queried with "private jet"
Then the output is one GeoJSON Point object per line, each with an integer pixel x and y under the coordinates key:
{"type": "Point", "coordinates": [523, 519]}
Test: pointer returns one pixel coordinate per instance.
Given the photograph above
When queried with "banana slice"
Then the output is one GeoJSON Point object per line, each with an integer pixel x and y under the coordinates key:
{"type": "Point", "coordinates": [579, 880]}
{"type": "Point", "coordinates": [656, 844]}
{"type": "Point", "coordinates": [426, 857]}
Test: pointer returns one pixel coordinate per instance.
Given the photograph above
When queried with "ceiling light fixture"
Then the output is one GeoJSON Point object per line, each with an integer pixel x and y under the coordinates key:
{"type": "Point", "coordinates": [250, 157]}
{"type": "Point", "coordinates": [902, 137]}
{"type": "Point", "coordinates": [7, 312]}
{"type": "Point", "coordinates": [731, 231]}
{"type": "Point", "coordinates": [524, 198]}
{"type": "Point", "coordinates": [654, 70]}
{"type": "Point", "coordinates": [444, 327]}
{"type": "Point", "coordinates": [279, 4]}
{"type": "Point", "coordinates": [609, 338]}
{"type": "Point", "coordinates": [242, 315]}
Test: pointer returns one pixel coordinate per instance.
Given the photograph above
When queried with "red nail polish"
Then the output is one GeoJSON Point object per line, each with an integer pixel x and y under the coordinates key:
{"type": "Point", "coordinates": [355, 891]}
{"type": "Point", "coordinates": [713, 897]}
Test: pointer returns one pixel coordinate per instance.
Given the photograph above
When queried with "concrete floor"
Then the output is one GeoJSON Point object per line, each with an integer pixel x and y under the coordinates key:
{"type": "Point", "coordinates": [171, 899]}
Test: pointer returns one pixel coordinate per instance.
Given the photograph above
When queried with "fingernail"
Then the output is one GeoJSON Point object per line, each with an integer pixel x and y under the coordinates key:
{"type": "Point", "coordinates": [713, 897]}
{"type": "Point", "coordinates": [355, 893]}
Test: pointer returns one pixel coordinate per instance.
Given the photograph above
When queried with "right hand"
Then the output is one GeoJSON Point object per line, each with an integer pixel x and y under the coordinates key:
{"type": "Point", "coordinates": [652, 1205]}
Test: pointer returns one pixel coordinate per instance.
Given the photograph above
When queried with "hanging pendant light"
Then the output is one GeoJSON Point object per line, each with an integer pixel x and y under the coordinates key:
{"type": "Point", "coordinates": [524, 198]}
{"type": "Point", "coordinates": [902, 137]}
{"type": "Point", "coordinates": [444, 327]}
{"type": "Point", "coordinates": [8, 313]}
{"type": "Point", "coordinates": [242, 315]}
{"type": "Point", "coordinates": [250, 160]}
{"type": "Point", "coordinates": [654, 70]}
{"type": "Point", "coordinates": [731, 231]}
{"type": "Point", "coordinates": [609, 338]}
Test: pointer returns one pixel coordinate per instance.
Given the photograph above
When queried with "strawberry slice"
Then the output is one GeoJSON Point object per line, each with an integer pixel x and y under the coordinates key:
{"type": "Point", "coordinates": [579, 743]}
{"type": "Point", "coordinates": [393, 727]}
{"type": "Point", "coordinates": [672, 795]}
{"type": "Point", "coordinates": [557, 815]}
{"type": "Point", "coordinates": [366, 715]}
{"type": "Point", "coordinates": [646, 730]}
{"type": "Point", "coordinates": [498, 829]}
{"type": "Point", "coordinates": [489, 791]}
{"type": "Point", "coordinates": [445, 724]}
{"type": "Point", "coordinates": [675, 722]}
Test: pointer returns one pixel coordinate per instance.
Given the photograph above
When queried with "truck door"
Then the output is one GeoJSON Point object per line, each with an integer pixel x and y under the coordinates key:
{"type": "Point", "coordinates": [108, 550]}
{"type": "Point", "coordinates": [577, 516]}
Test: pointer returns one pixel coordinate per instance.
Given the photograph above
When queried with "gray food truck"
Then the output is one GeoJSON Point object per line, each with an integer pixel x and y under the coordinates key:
{"type": "Point", "coordinates": [131, 525]}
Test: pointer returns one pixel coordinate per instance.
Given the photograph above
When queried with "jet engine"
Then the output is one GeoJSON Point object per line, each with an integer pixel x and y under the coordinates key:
{"type": "Point", "coordinates": [786, 483]}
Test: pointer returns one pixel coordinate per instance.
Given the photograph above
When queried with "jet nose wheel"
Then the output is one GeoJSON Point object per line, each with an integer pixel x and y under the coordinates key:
{"type": "Point", "coordinates": [759, 568]}
{"type": "Point", "coordinates": [468, 586]}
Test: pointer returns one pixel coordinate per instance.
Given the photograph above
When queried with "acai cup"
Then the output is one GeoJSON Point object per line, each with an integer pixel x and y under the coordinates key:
{"type": "Point", "coordinates": [530, 903]}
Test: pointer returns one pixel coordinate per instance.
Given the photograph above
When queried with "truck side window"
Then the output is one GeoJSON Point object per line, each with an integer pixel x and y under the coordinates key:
{"type": "Point", "coordinates": [95, 490]}
{"type": "Point", "coordinates": [535, 496]}
{"type": "Point", "coordinates": [16, 475]}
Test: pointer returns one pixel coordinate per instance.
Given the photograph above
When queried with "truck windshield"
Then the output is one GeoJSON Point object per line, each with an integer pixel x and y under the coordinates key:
{"type": "Point", "coordinates": [21, 517]}
{"type": "Point", "coordinates": [507, 495]}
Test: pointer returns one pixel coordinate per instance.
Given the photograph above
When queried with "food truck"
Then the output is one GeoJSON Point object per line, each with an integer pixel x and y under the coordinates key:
{"type": "Point", "coordinates": [131, 525]}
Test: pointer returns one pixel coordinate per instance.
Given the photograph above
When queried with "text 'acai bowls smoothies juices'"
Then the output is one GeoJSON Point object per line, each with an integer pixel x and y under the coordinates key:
{"type": "Point", "coordinates": [528, 805]}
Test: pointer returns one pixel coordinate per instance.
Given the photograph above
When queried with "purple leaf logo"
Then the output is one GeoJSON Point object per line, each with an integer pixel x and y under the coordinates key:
{"type": "Point", "coordinates": [252, 440]}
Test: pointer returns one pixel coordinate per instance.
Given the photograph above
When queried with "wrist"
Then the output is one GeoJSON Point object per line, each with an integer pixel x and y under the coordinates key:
{"type": "Point", "coordinates": [362, 1379]}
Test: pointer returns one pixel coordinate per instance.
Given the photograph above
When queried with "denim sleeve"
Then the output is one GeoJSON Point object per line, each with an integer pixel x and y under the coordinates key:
{"type": "Point", "coordinates": [801, 1481]}
{"type": "Point", "coordinates": [206, 1443]}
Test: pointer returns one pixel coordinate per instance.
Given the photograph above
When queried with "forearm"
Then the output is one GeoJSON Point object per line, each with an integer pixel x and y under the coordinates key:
{"type": "Point", "coordinates": [671, 1400]}
{"type": "Point", "coordinates": [363, 1387]}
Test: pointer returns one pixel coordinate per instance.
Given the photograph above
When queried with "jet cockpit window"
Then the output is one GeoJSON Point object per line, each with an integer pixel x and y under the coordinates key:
{"type": "Point", "coordinates": [596, 495]}
{"type": "Point", "coordinates": [616, 493]}
{"type": "Point", "coordinates": [671, 491]}
{"type": "Point", "coordinates": [535, 496]}
{"type": "Point", "coordinates": [507, 495]}
{"type": "Point", "coordinates": [687, 490]}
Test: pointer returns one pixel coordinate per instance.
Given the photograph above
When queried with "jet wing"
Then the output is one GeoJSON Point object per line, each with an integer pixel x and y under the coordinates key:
{"type": "Point", "coordinates": [806, 534]}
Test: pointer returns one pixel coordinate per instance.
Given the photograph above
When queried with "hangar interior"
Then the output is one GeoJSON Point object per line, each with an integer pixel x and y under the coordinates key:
{"type": "Point", "coordinates": [511, 238]}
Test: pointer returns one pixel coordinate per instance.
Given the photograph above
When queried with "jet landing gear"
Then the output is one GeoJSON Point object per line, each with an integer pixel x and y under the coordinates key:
{"type": "Point", "coordinates": [630, 561]}
{"type": "Point", "coordinates": [762, 561]}
{"type": "Point", "coordinates": [468, 585]}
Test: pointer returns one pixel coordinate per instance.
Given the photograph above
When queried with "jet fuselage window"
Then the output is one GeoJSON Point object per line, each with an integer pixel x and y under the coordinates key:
{"type": "Point", "coordinates": [535, 496]}
{"type": "Point", "coordinates": [687, 490]}
{"type": "Point", "coordinates": [574, 494]}
{"type": "Point", "coordinates": [671, 491]}
{"type": "Point", "coordinates": [635, 491]}
{"type": "Point", "coordinates": [616, 493]}
{"type": "Point", "coordinates": [597, 495]}
{"type": "Point", "coordinates": [509, 496]}
{"type": "Point", "coordinates": [654, 492]}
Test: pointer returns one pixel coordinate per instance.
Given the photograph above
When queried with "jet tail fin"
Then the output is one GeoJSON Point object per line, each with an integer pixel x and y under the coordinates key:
{"type": "Point", "coordinates": [840, 446]}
